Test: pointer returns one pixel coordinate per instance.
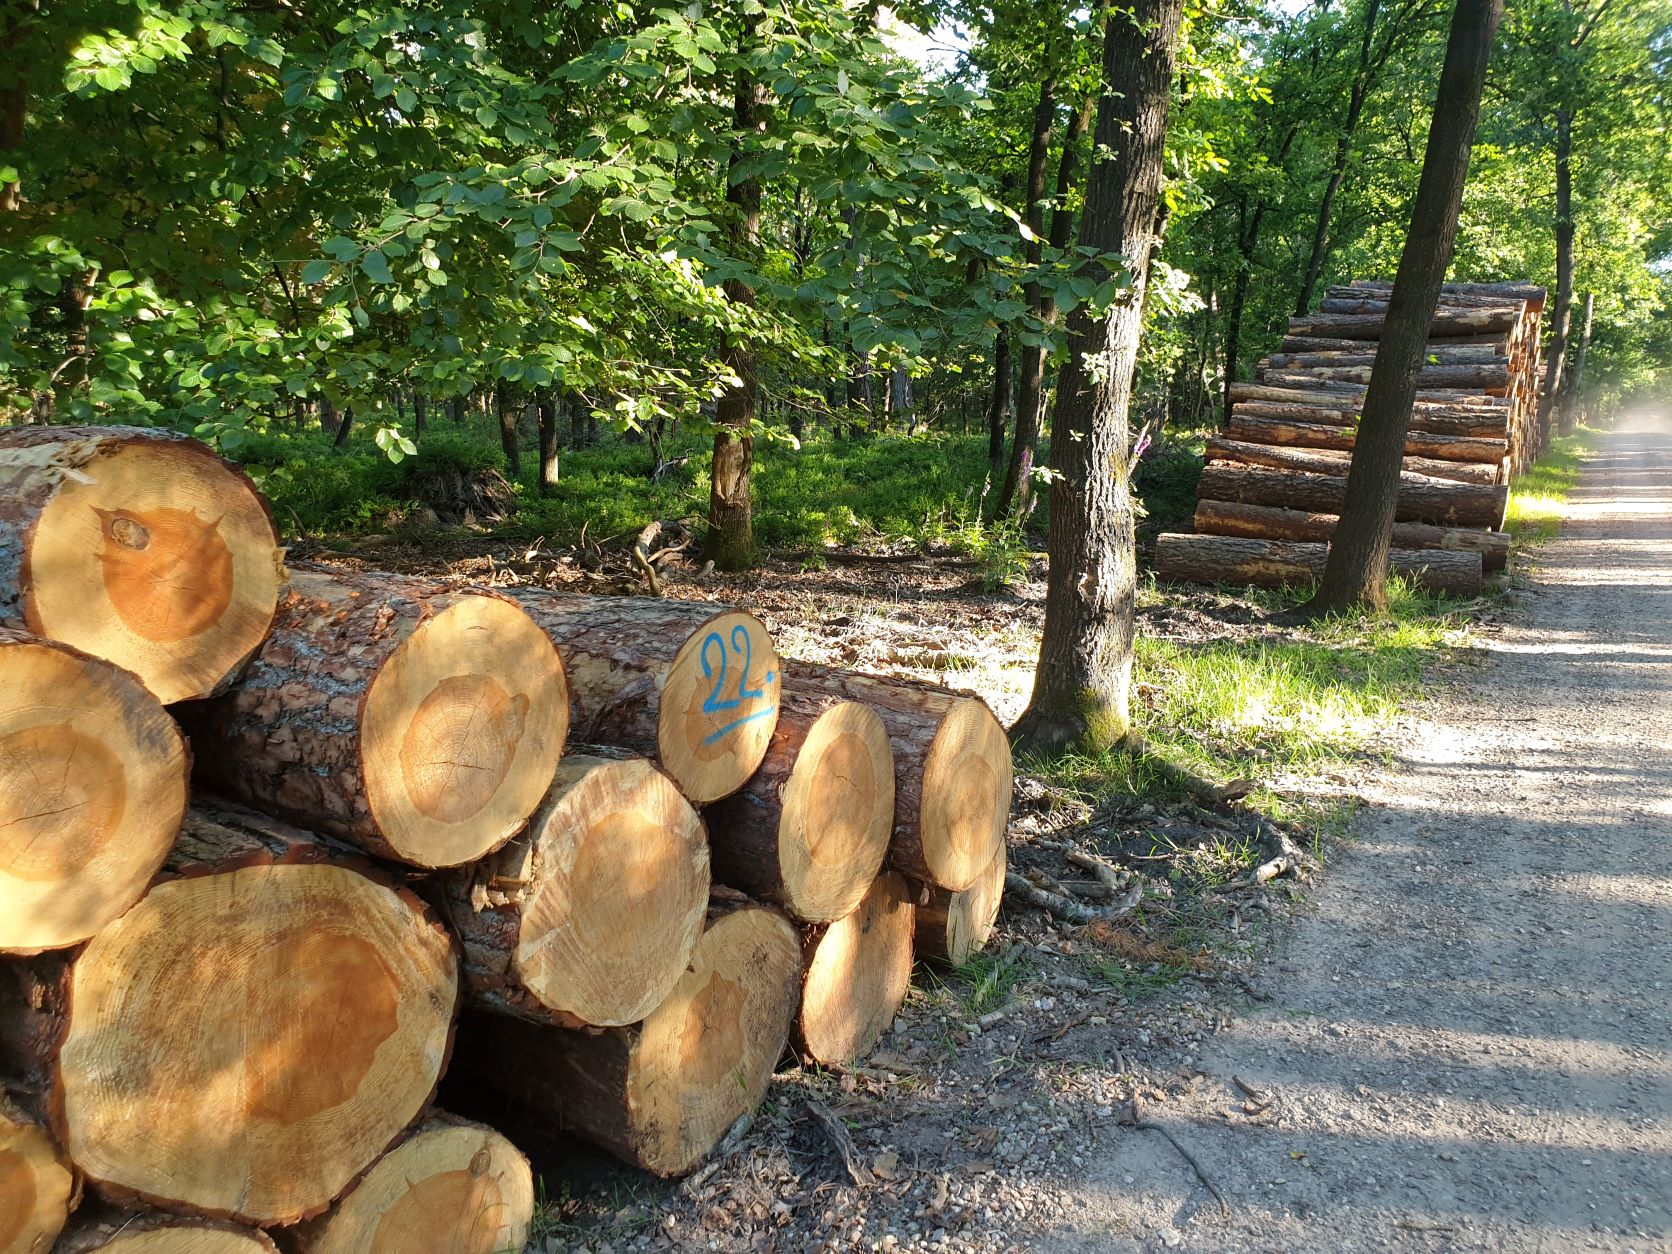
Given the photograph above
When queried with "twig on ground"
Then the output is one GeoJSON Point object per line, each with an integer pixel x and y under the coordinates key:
{"type": "Point", "coordinates": [641, 556]}
{"type": "Point", "coordinates": [1018, 885]}
{"type": "Point", "coordinates": [1139, 1120]}
{"type": "Point", "coordinates": [838, 1134]}
{"type": "Point", "coordinates": [1107, 872]}
{"type": "Point", "coordinates": [1258, 1096]}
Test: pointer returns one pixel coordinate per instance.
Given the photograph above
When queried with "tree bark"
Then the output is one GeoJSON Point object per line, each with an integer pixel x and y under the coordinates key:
{"type": "Point", "coordinates": [1268, 522]}
{"type": "Point", "coordinates": [1573, 378]}
{"type": "Point", "coordinates": [14, 95]}
{"type": "Point", "coordinates": [1442, 322]}
{"type": "Point", "coordinates": [1289, 564]}
{"type": "Point", "coordinates": [1356, 573]}
{"type": "Point", "coordinates": [1320, 461]}
{"type": "Point", "coordinates": [1555, 358]}
{"type": "Point", "coordinates": [1001, 404]}
{"type": "Point", "coordinates": [1262, 430]}
{"type": "Point", "coordinates": [546, 403]}
{"type": "Point", "coordinates": [1420, 498]}
{"type": "Point", "coordinates": [1081, 687]}
{"type": "Point", "coordinates": [1481, 420]}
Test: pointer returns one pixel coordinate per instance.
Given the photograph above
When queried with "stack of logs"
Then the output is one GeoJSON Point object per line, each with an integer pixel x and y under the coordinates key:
{"type": "Point", "coordinates": [1276, 480]}
{"type": "Point", "coordinates": [280, 848]}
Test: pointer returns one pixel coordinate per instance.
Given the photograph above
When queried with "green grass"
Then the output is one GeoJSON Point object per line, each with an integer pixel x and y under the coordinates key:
{"type": "Point", "coordinates": [1538, 498]}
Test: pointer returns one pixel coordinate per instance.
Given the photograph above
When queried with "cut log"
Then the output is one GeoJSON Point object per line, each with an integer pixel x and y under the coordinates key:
{"type": "Point", "coordinates": [952, 771]}
{"type": "Point", "coordinates": [1531, 293]}
{"type": "Point", "coordinates": [693, 687]}
{"type": "Point", "coordinates": [1424, 444]}
{"type": "Point", "coordinates": [953, 927]}
{"type": "Point", "coordinates": [1263, 522]}
{"type": "Point", "coordinates": [659, 1094]}
{"type": "Point", "coordinates": [113, 1231]}
{"type": "Point", "coordinates": [138, 546]}
{"type": "Point", "coordinates": [1452, 421]}
{"type": "Point", "coordinates": [1351, 393]}
{"type": "Point", "coordinates": [38, 1189]}
{"type": "Point", "coordinates": [422, 724]}
{"type": "Point", "coordinates": [1497, 341]}
{"type": "Point", "coordinates": [450, 1186]}
{"type": "Point", "coordinates": [241, 1043]}
{"type": "Point", "coordinates": [1279, 563]}
{"type": "Point", "coordinates": [1446, 323]}
{"type": "Point", "coordinates": [809, 832]}
{"type": "Point", "coordinates": [1486, 377]}
{"type": "Point", "coordinates": [93, 781]}
{"type": "Point", "coordinates": [1335, 462]}
{"type": "Point", "coordinates": [1442, 353]}
{"type": "Point", "coordinates": [858, 973]}
{"type": "Point", "coordinates": [1421, 499]}
{"type": "Point", "coordinates": [589, 916]}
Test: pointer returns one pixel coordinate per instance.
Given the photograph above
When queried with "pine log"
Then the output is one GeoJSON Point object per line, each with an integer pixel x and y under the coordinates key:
{"type": "Point", "coordinates": [1423, 444]}
{"type": "Point", "coordinates": [1264, 522]}
{"type": "Point", "coordinates": [1359, 301]}
{"type": "Point", "coordinates": [421, 724]}
{"type": "Point", "coordinates": [1335, 461]}
{"type": "Point", "coordinates": [1531, 293]}
{"type": "Point", "coordinates": [1485, 377]}
{"type": "Point", "coordinates": [953, 927]}
{"type": "Point", "coordinates": [693, 687]}
{"type": "Point", "coordinates": [809, 831]}
{"type": "Point", "coordinates": [139, 546]}
{"type": "Point", "coordinates": [1447, 323]}
{"type": "Point", "coordinates": [111, 1231]}
{"type": "Point", "coordinates": [245, 1040]}
{"type": "Point", "coordinates": [93, 781]}
{"type": "Point", "coordinates": [1460, 421]}
{"type": "Point", "coordinates": [858, 973]}
{"type": "Point", "coordinates": [1497, 341]}
{"type": "Point", "coordinates": [1442, 353]}
{"type": "Point", "coordinates": [952, 771]}
{"type": "Point", "coordinates": [1421, 499]}
{"type": "Point", "coordinates": [38, 1188]}
{"type": "Point", "coordinates": [1349, 392]}
{"type": "Point", "coordinates": [659, 1094]}
{"type": "Point", "coordinates": [449, 1185]}
{"type": "Point", "coordinates": [1280, 563]}
{"type": "Point", "coordinates": [589, 916]}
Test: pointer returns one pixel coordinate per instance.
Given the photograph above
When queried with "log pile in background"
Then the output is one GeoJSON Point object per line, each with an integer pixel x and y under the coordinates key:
{"type": "Point", "coordinates": [224, 1016]}
{"type": "Point", "coordinates": [1275, 482]}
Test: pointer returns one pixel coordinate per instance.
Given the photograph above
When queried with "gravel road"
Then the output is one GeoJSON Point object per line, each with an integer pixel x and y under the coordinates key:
{"type": "Point", "coordinates": [1468, 1043]}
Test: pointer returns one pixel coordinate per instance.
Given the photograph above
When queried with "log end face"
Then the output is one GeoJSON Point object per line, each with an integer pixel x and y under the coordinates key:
{"type": "Point", "coordinates": [160, 557]}
{"type": "Point", "coordinates": [965, 922]}
{"type": "Point", "coordinates": [967, 783]}
{"type": "Point", "coordinates": [858, 975]}
{"type": "Point", "coordinates": [461, 732]}
{"type": "Point", "coordinates": [37, 1188]}
{"type": "Point", "coordinates": [619, 899]}
{"type": "Point", "coordinates": [181, 1238]}
{"type": "Point", "coordinates": [718, 706]}
{"type": "Point", "coordinates": [838, 812]}
{"type": "Point", "coordinates": [93, 783]}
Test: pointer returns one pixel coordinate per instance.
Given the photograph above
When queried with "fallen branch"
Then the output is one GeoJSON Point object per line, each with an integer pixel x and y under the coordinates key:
{"type": "Point", "coordinates": [1018, 885]}
{"type": "Point", "coordinates": [1140, 1121]}
{"type": "Point", "coordinates": [1107, 872]}
{"type": "Point", "coordinates": [641, 556]}
{"type": "Point", "coordinates": [838, 1134]}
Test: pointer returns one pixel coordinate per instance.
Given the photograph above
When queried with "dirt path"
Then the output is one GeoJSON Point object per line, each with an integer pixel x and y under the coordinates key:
{"type": "Point", "coordinates": [1469, 1041]}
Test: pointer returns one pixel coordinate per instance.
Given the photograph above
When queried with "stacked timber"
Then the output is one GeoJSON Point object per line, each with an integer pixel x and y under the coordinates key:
{"type": "Point", "coordinates": [282, 850]}
{"type": "Point", "coordinates": [1275, 481]}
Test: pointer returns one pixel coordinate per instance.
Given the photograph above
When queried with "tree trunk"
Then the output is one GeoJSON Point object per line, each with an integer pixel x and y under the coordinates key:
{"type": "Point", "coordinates": [546, 402]}
{"type": "Point", "coordinates": [340, 440]}
{"type": "Point", "coordinates": [242, 1042]}
{"type": "Point", "coordinates": [176, 582]}
{"type": "Point", "coordinates": [731, 540]}
{"type": "Point", "coordinates": [505, 411]}
{"type": "Point", "coordinates": [448, 1185]}
{"type": "Point", "coordinates": [692, 686]}
{"type": "Point", "coordinates": [108, 1230]}
{"type": "Point", "coordinates": [952, 771]}
{"type": "Point", "coordinates": [1451, 448]}
{"type": "Point", "coordinates": [14, 100]}
{"type": "Point", "coordinates": [1001, 405]}
{"type": "Point", "coordinates": [1335, 462]}
{"type": "Point", "coordinates": [418, 723]}
{"type": "Point", "coordinates": [93, 783]}
{"type": "Point", "coordinates": [1356, 573]}
{"type": "Point", "coordinates": [1420, 498]}
{"type": "Point", "coordinates": [1572, 379]}
{"type": "Point", "coordinates": [1081, 686]}
{"type": "Point", "coordinates": [1561, 322]}
{"type": "Point", "coordinates": [659, 1094]}
{"type": "Point", "coordinates": [1287, 564]}
{"type": "Point", "coordinates": [589, 916]}
{"type": "Point", "coordinates": [420, 414]}
{"type": "Point", "coordinates": [40, 1187]}
{"type": "Point", "coordinates": [858, 973]}
{"type": "Point", "coordinates": [952, 927]}
{"type": "Point", "coordinates": [1266, 522]}
{"type": "Point", "coordinates": [810, 829]}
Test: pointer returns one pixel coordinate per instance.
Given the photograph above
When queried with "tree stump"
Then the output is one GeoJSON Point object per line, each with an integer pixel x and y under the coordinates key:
{"type": "Point", "coordinates": [952, 927]}
{"type": "Point", "coordinates": [38, 1189]}
{"type": "Point", "coordinates": [421, 724]}
{"type": "Point", "coordinates": [246, 1039]}
{"type": "Point", "coordinates": [693, 687]}
{"type": "Point", "coordinates": [809, 832]}
{"type": "Point", "coordinates": [589, 916]}
{"type": "Point", "coordinates": [112, 1231]}
{"type": "Point", "coordinates": [93, 781]}
{"type": "Point", "coordinates": [952, 771]}
{"type": "Point", "coordinates": [858, 972]}
{"type": "Point", "coordinates": [659, 1094]}
{"type": "Point", "coordinates": [449, 1185]}
{"type": "Point", "coordinates": [138, 546]}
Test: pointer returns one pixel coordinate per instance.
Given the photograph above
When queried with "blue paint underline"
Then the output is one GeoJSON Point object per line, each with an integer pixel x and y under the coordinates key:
{"type": "Point", "coordinates": [738, 722]}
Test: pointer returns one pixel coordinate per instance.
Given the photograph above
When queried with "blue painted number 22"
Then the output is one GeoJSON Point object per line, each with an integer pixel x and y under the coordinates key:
{"type": "Point", "coordinates": [717, 702]}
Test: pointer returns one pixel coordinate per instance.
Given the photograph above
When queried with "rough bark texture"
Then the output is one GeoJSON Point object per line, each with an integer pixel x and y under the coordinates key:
{"type": "Point", "coordinates": [1567, 414]}
{"type": "Point", "coordinates": [1358, 557]}
{"type": "Point", "coordinates": [1335, 461]}
{"type": "Point", "coordinates": [438, 781]}
{"type": "Point", "coordinates": [1081, 686]}
{"type": "Point", "coordinates": [1288, 564]}
{"type": "Point", "coordinates": [1419, 444]}
{"type": "Point", "coordinates": [1265, 522]}
{"type": "Point", "coordinates": [1420, 499]}
{"type": "Point", "coordinates": [546, 406]}
{"type": "Point", "coordinates": [1562, 320]}
{"type": "Point", "coordinates": [1001, 405]}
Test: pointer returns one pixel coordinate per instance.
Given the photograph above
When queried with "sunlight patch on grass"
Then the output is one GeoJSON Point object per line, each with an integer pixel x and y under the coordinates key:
{"type": "Point", "coordinates": [1538, 497]}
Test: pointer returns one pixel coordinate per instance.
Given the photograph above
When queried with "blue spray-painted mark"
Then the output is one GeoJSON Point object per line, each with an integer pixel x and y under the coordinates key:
{"type": "Point", "coordinates": [738, 722]}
